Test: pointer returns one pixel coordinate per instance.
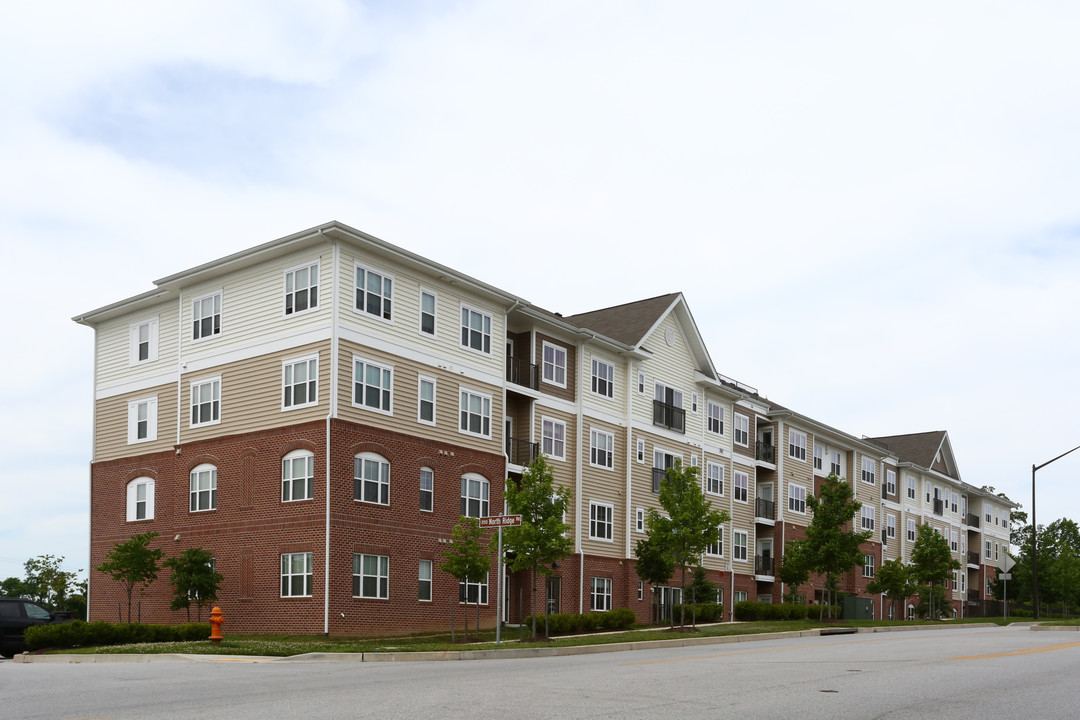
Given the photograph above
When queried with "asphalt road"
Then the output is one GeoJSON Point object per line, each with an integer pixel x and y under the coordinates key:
{"type": "Point", "coordinates": [951, 673]}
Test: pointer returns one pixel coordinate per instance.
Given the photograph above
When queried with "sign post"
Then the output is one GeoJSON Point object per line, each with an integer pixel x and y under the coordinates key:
{"type": "Point", "coordinates": [1006, 565]}
{"type": "Point", "coordinates": [499, 521]}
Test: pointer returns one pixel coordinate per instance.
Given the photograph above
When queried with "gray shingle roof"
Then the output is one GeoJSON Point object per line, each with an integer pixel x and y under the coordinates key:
{"type": "Point", "coordinates": [626, 323]}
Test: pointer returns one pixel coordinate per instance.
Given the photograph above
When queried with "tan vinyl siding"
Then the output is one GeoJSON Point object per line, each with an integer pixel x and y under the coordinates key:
{"type": "Point", "coordinates": [673, 366]}
{"type": "Point", "coordinates": [550, 388]}
{"type": "Point", "coordinates": [111, 424]}
{"type": "Point", "coordinates": [614, 404]}
{"type": "Point", "coordinates": [251, 394]}
{"type": "Point", "coordinates": [113, 347]}
{"type": "Point", "coordinates": [598, 483]}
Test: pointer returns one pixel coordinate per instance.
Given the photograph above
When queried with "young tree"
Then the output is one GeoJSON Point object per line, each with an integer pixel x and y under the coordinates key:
{"type": "Point", "coordinates": [543, 538]}
{"type": "Point", "coordinates": [701, 588]}
{"type": "Point", "coordinates": [893, 579]}
{"type": "Point", "coordinates": [830, 549]}
{"type": "Point", "coordinates": [655, 563]}
{"type": "Point", "coordinates": [193, 578]}
{"type": "Point", "coordinates": [690, 525]}
{"type": "Point", "coordinates": [794, 569]}
{"type": "Point", "coordinates": [466, 560]}
{"type": "Point", "coordinates": [932, 564]}
{"type": "Point", "coordinates": [46, 583]}
{"type": "Point", "coordinates": [133, 563]}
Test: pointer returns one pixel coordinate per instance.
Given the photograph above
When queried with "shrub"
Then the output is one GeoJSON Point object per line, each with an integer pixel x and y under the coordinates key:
{"type": "Point", "coordinates": [83, 634]}
{"type": "Point", "coordinates": [706, 612]}
{"type": "Point", "coordinates": [750, 611]}
{"type": "Point", "coordinates": [568, 623]}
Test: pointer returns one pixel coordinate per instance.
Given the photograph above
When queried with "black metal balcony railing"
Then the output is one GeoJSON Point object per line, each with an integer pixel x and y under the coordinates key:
{"type": "Point", "coordinates": [939, 507]}
{"type": "Point", "coordinates": [765, 452]}
{"type": "Point", "coordinates": [521, 452]}
{"type": "Point", "coordinates": [973, 594]}
{"type": "Point", "coordinates": [669, 416]}
{"type": "Point", "coordinates": [763, 565]}
{"type": "Point", "coordinates": [884, 537]}
{"type": "Point", "coordinates": [973, 558]}
{"type": "Point", "coordinates": [764, 508]}
{"type": "Point", "coordinates": [972, 520]}
{"type": "Point", "coordinates": [657, 476]}
{"type": "Point", "coordinates": [884, 491]}
{"type": "Point", "coordinates": [522, 372]}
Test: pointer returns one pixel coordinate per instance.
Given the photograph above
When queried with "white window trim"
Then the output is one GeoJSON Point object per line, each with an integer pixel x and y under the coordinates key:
{"type": "Point", "coordinates": [610, 522]}
{"type": "Point", "coordinates": [430, 492]}
{"type": "Point", "coordinates": [735, 486]}
{"type": "Point", "coordinates": [869, 518]}
{"type": "Point", "coordinates": [297, 361]}
{"type": "Point", "coordinates": [484, 314]}
{"type": "Point", "coordinates": [719, 545]}
{"type": "Point", "coordinates": [420, 380]}
{"type": "Point", "coordinates": [352, 395]}
{"type": "Point", "coordinates": [544, 420]}
{"type": "Point", "coordinates": [285, 293]}
{"type": "Point", "coordinates": [872, 472]}
{"type": "Point", "coordinates": [151, 420]}
{"type": "Point", "coordinates": [132, 498]}
{"type": "Point", "coordinates": [597, 360]}
{"type": "Point", "coordinates": [309, 562]}
{"type": "Point", "coordinates": [309, 479]}
{"type": "Point", "coordinates": [378, 481]}
{"type": "Point", "coordinates": [604, 596]}
{"type": "Point", "coordinates": [212, 490]}
{"type": "Point", "coordinates": [221, 316]}
{"type": "Point", "coordinates": [393, 291]}
{"type": "Point", "coordinates": [152, 341]}
{"type": "Point", "coordinates": [890, 481]}
{"type": "Point", "coordinates": [792, 488]}
{"type": "Point", "coordinates": [639, 519]}
{"type": "Point", "coordinates": [890, 526]}
{"type": "Point", "coordinates": [797, 440]}
{"type": "Point", "coordinates": [735, 422]}
{"type": "Point", "coordinates": [709, 465]}
{"type": "Point", "coordinates": [420, 314]}
{"type": "Point", "coordinates": [483, 482]}
{"type": "Point", "coordinates": [745, 546]}
{"type": "Point", "coordinates": [462, 391]}
{"type": "Point", "coordinates": [593, 432]}
{"type": "Point", "coordinates": [709, 406]}
{"type": "Point", "coordinates": [191, 397]}
{"type": "Point", "coordinates": [641, 451]}
{"type": "Point", "coordinates": [430, 580]}
{"type": "Point", "coordinates": [556, 349]}
{"type": "Point", "coordinates": [641, 382]}
{"type": "Point", "coordinates": [378, 576]}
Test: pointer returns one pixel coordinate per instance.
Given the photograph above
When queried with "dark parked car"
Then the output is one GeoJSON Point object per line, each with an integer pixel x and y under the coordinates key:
{"type": "Point", "coordinates": [17, 614]}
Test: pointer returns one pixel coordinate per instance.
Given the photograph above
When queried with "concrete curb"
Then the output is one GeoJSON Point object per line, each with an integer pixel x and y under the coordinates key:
{"type": "Point", "coordinates": [494, 654]}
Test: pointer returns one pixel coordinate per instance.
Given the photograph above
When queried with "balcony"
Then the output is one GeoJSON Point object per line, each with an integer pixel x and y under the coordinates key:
{"type": "Point", "coordinates": [973, 594]}
{"type": "Point", "coordinates": [669, 416]}
{"type": "Point", "coordinates": [522, 372]}
{"type": "Point", "coordinates": [763, 565]}
{"type": "Point", "coordinates": [972, 520]}
{"type": "Point", "coordinates": [521, 452]}
{"type": "Point", "coordinates": [939, 506]}
{"type": "Point", "coordinates": [657, 476]}
{"type": "Point", "coordinates": [973, 558]}
{"type": "Point", "coordinates": [884, 492]}
{"type": "Point", "coordinates": [764, 509]}
{"type": "Point", "coordinates": [884, 536]}
{"type": "Point", "coordinates": [765, 452]}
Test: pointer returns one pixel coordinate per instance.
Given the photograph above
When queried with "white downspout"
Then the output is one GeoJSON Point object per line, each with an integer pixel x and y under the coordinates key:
{"type": "Point", "coordinates": [335, 285]}
{"type": "Point", "coordinates": [578, 469]}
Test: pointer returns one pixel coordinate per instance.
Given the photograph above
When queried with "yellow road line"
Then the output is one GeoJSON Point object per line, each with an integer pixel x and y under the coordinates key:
{"type": "Point", "coordinates": [1046, 648]}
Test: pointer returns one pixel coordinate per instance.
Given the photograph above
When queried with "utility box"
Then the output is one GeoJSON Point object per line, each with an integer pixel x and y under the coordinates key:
{"type": "Point", "coordinates": [858, 608]}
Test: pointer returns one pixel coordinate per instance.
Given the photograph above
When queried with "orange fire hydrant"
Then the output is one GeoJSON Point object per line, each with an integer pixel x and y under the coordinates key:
{"type": "Point", "coordinates": [216, 619]}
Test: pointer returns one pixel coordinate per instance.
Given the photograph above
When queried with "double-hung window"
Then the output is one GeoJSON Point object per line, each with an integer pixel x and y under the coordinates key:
{"type": "Point", "coordinates": [834, 465]}
{"type": "Point", "coordinates": [890, 481]}
{"type": "Point", "coordinates": [423, 584]}
{"type": "Point", "coordinates": [797, 444]}
{"type": "Point", "coordinates": [741, 483]}
{"type": "Point", "coordinates": [474, 495]}
{"type": "Point", "coordinates": [890, 526]}
{"type": "Point", "coordinates": [300, 379]}
{"type": "Point", "coordinates": [715, 420]}
{"type": "Point", "coordinates": [142, 420]}
{"type": "Point", "coordinates": [911, 530]}
{"type": "Point", "coordinates": [473, 592]}
{"type": "Point", "coordinates": [206, 402]}
{"type": "Point", "coordinates": [717, 549]}
{"type": "Point", "coordinates": [868, 470]}
{"type": "Point", "coordinates": [475, 413]}
{"type": "Point", "coordinates": [819, 456]}
{"type": "Point", "coordinates": [868, 566]}
{"type": "Point", "coordinates": [374, 292]}
{"type": "Point", "coordinates": [603, 378]}
{"type": "Point", "coordinates": [298, 476]}
{"type": "Point", "coordinates": [742, 430]}
{"type": "Point", "coordinates": [427, 489]}
{"type": "Point", "coordinates": [371, 479]}
{"type": "Point", "coordinates": [553, 438]}
{"type": "Point", "coordinates": [867, 517]}
{"type": "Point", "coordinates": [954, 541]}
{"type": "Point", "coordinates": [371, 576]}
{"type": "Point", "coordinates": [639, 519]}
{"type": "Point", "coordinates": [206, 316]}
{"type": "Point", "coordinates": [373, 385]}
{"type": "Point", "coordinates": [797, 499]}
{"type": "Point", "coordinates": [296, 574]}
{"type": "Point", "coordinates": [302, 289]}
{"type": "Point", "coordinates": [601, 594]}
{"type": "Point", "coordinates": [601, 449]}
{"type": "Point", "coordinates": [475, 330]}
{"type": "Point", "coordinates": [554, 364]}
{"type": "Point", "coordinates": [203, 488]}
{"type": "Point", "coordinates": [911, 487]}
{"type": "Point", "coordinates": [714, 478]}
{"type": "Point", "coordinates": [739, 543]}
{"type": "Point", "coordinates": [140, 499]}
{"type": "Point", "coordinates": [601, 520]}
{"type": "Point", "coordinates": [428, 301]}
{"type": "Point", "coordinates": [144, 341]}
{"type": "Point", "coordinates": [425, 411]}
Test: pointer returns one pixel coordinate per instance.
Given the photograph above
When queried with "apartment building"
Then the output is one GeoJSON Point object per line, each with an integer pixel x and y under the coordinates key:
{"type": "Point", "coordinates": [319, 411]}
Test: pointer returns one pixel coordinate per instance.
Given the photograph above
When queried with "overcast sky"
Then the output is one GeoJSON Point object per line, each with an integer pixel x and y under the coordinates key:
{"type": "Point", "coordinates": [871, 208]}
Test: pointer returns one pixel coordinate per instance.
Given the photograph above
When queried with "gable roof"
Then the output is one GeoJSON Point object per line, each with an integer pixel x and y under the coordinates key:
{"type": "Point", "coordinates": [628, 323]}
{"type": "Point", "coordinates": [929, 450]}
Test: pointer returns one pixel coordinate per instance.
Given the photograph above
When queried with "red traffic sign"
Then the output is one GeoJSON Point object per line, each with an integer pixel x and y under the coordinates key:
{"type": "Point", "coordinates": [495, 521]}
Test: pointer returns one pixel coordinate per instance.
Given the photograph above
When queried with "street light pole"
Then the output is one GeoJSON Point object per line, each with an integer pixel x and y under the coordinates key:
{"type": "Point", "coordinates": [1035, 533]}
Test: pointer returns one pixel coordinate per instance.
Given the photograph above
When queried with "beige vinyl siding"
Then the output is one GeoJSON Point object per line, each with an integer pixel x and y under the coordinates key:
{"type": "Point", "coordinates": [252, 393]}
{"type": "Point", "coordinates": [404, 327]}
{"type": "Point", "coordinates": [111, 424]}
{"type": "Point", "coordinates": [405, 400]}
{"type": "Point", "coordinates": [113, 347]}
{"type": "Point", "coordinates": [672, 365]}
{"type": "Point", "coordinates": [606, 486]}
{"type": "Point", "coordinates": [253, 306]}
{"type": "Point", "coordinates": [796, 472]}
{"type": "Point", "coordinates": [614, 404]}
{"type": "Point", "coordinates": [721, 503]}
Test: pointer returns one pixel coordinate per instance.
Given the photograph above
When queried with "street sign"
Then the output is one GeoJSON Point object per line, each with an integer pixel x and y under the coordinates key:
{"type": "Point", "coordinates": [1007, 576]}
{"type": "Point", "coordinates": [496, 521]}
{"type": "Point", "coordinates": [1006, 563]}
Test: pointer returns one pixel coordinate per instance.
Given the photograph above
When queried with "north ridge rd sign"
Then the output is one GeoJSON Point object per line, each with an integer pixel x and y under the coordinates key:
{"type": "Point", "coordinates": [495, 521]}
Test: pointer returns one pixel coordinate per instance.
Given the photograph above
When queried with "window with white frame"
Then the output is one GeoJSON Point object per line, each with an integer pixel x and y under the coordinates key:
{"type": "Point", "coordinates": [890, 481]}
{"type": "Point", "coordinates": [475, 330]}
{"type": "Point", "coordinates": [474, 495]}
{"type": "Point", "coordinates": [601, 449]}
{"type": "Point", "coordinates": [989, 552]}
{"type": "Point", "coordinates": [716, 549]}
{"type": "Point", "coordinates": [374, 292]}
{"type": "Point", "coordinates": [371, 576]}
{"type": "Point", "coordinates": [296, 574]}
{"type": "Point", "coordinates": [603, 378]}
{"type": "Point", "coordinates": [867, 517]}
{"type": "Point", "coordinates": [601, 594]}
{"type": "Point", "coordinates": [554, 364]}
{"type": "Point", "coordinates": [714, 478]}
{"type": "Point", "coordinates": [428, 302]}
{"type": "Point", "coordinates": [373, 385]}
{"type": "Point", "coordinates": [475, 413]}
{"type": "Point", "coordinates": [206, 316]}
{"type": "Point", "coordinates": [140, 499]}
{"type": "Point", "coordinates": [302, 289]}
{"type": "Point", "coordinates": [425, 410]}
{"type": "Point", "coordinates": [819, 456]}
{"type": "Point", "coordinates": [739, 543]}
{"type": "Point", "coordinates": [835, 465]}
{"type": "Point", "coordinates": [144, 341]}
{"type": "Point", "coordinates": [641, 383]}
{"type": "Point", "coordinates": [911, 530]}
{"type": "Point", "coordinates": [989, 516]}
{"type": "Point", "coordinates": [298, 476]}
{"type": "Point", "coordinates": [694, 460]}
{"type": "Point", "coordinates": [890, 526]}
{"type": "Point", "coordinates": [553, 438]}
{"type": "Point", "coordinates": [423, 583]}
{"type": "Point", "coordinates": [954, 541]}
{"type": "Point", "coordinates": [868, 469]}
{"type": "Point", "coordinates": [640, 589]}
{"type": "Point", "coordinates": [203, 488]}
{"type": "Point", "coordinates": [206, 402]}
{"type": "Point", "coordinates": [953, 500]}
{"type": "Point", "coordinates": [473, 592]}
{"type": "Point", "coordinates": [641, 451]}
{"type": "Point", "coordinates": [371, 478]}
{"type": "Point", "coordinates": [797, 498]}
{"type": "Point", "coordinates": [427, 489]}
{"type": "Point", "coordinates": [797, 444]}
{"type": "Point", "coordinates": [911, 487]}
{"type": "Point", "coordinates": [299, 381]}
{"type": "Point", "coordinates": [142, 420]}
{"type": "Point", "coordinates": [997, 547]}
{"type": "Point", "coordinates": [639, 519]}
{"type": "Point", "coordinates": [741, 484]}
{"type": "Point", "coordinates": [693, 402]}
{"type": "Point", "coordinates": [868, 566]}
{"type": "Point", "coordinates": [742, 430]}
{"type": "Point", "coordinates": [739, 596]}
{"type": "Point", "coordinates": [715, 418]}
{"type": "Point", "coordinates": [601, 520]}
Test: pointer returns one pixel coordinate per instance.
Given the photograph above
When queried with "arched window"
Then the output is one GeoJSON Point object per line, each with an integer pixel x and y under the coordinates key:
{"type": "Point", "coordinates": [298, 476]}
{"type": "Point", "coordinates": [203, 488]}
{"type": "Point", "coordinates": [140, 499]}
{"type": "Point", "coordinates": [371, 479]}
{"type": "Point", "coordinates": [474, 495]}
